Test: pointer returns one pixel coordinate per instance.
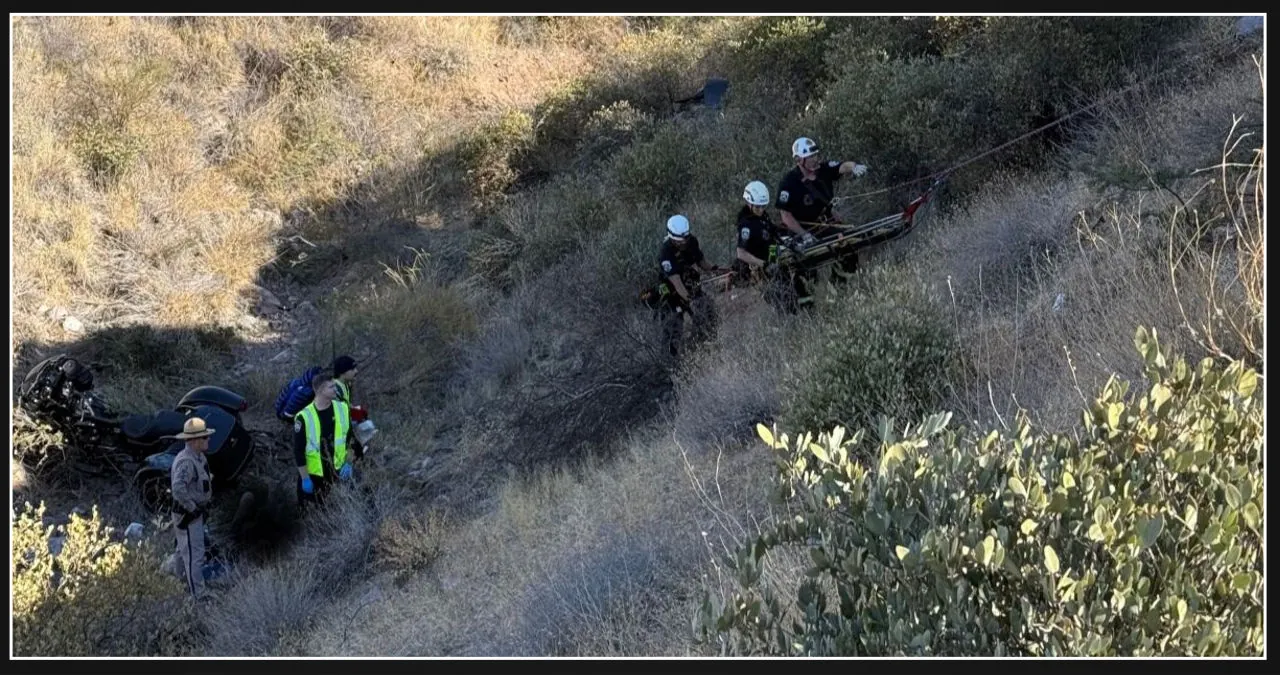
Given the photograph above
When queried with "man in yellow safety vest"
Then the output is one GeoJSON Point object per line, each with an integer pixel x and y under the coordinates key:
{"type": "Point", "coordinates": [324, 441]}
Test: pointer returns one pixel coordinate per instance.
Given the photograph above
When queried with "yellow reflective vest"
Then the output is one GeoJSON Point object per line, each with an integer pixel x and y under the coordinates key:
{"type": "Point", "coordinates": [344, 393]}
{"type": "Point", "coordinates": [341, 423]}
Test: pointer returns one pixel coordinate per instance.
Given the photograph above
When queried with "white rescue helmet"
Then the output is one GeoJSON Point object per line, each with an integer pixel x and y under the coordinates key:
{"type": "Point", "coordinates": [756, 194]}
{"type": "Point", "coordinates": [678, 226]}
{"type": "Point", "coordinates": [803, 147]}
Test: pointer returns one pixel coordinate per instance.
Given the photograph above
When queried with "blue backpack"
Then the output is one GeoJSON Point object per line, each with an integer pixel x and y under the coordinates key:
{"type": "Point", "coordinates": [296, 395]}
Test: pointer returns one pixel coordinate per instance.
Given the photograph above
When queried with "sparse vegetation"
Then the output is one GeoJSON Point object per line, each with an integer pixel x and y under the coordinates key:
{"type": "Point", "coordinates": [470, 204]}
{"type": "Point", "coordinates": [492, 154]}
{"type": "Point", "coordinates": [409, 543]}
{"type": "Point", "coordinates": [36, 445]}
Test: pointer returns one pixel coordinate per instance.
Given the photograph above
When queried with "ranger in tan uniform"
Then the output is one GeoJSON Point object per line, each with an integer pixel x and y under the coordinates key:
{"type": "Point", "coordinates": [192, 490]}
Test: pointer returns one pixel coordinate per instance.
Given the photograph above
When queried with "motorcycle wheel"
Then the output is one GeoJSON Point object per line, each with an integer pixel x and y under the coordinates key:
{"type": "Point", "coordinates": [152, 486]}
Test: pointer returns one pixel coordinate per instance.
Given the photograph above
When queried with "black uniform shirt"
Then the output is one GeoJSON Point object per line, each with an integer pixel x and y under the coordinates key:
{"type": "Point", "coordinates": [756, 233]}
{"type": "Point", "coordinates": [680, 260]}
{"type": "Point", "coordinates": [808, 200]}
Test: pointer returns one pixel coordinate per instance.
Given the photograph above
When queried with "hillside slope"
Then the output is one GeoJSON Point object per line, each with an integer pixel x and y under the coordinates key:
{"type": "Point", "coordinates": [470, 206]}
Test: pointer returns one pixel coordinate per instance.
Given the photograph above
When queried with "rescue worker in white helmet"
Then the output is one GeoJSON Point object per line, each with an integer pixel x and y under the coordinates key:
{"type": "Point", "coordinates": [757, 251]}
{"type": "Point", "coordinates": [805, 195]}
{"type": "Point", "coordinates": [681, 263]}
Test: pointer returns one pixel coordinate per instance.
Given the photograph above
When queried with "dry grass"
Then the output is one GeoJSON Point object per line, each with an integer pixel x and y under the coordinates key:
{"type": "Point", "coordinates": [590, 563]}
{"type": "Point", "coordinates": [117, 215]}
{"type": "Point", "coordinates": [218, 135]}
{"type": "Point", "coordinates": [1033, 356]}
{"type": "Point", "coordinates": [1069, 265]}
{"type": "Point", "coordinates": [264, 606]}
{"type": "Point", "coordinates": [990, 243]}
{"type": "Point", "coordinates": [152, 158]}
{"type": "Point", "coordinates": [413, 321]}
{"type": "Point", "coordinates": [1220, 291]}
{"type": "Point", "coordinates": [726, 391]}
{"type": "Point", "coordinates": [1129, 146]}
{"type": "Point", "coordinates": [410, 543]}
{"type": "Point", "coordinates": [605, 561]}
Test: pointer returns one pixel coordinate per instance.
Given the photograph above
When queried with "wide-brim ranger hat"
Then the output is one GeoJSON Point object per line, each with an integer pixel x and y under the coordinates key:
{"type": "Point", "coordinates": [194, 428]}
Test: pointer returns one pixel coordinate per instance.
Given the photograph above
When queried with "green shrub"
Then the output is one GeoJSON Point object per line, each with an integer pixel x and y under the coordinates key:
{"type": "Point", "coordinates": [36, 445]}
{"type": "Point", "coordinates": [660, 170]}
{"type": "Point", "coordinates": [545, 225]}
{"type": "Point", "coordinates": [786, 48]}
{"type": "Point", "coordinates": [492, 257]}
{"type": "Point", "coordinates": [973, 85]}
{"type": "Point", "coordinates": [104, 133]}
{"type": "Point", "coordinates": [1060, 58]}
{"type": "Point", "coordinates": [907, 117]}
{"type": "Point", "coordinates": [624, 253]}
{"type": "Point", "coordinates": [315, 62]}
{"type": "Point", "coordinates": [612, 127]}
{"type": "Point", "coordinates": [107, 149]}
{"type": "Point", "coordinates": [955, 34]}
{"type": "Point", "coordinates": [492, 156]}
{"type": "Point", "coordinates": [880, 351]}
{"type": "Point", "coordinates": [1140, 536]}
{"type": "Point", "coordinates": [314, 149]}
{"type": "Point", "coordinates": [414, 320]}
{"type": "Point", "coordinates": [895, 36]}
{"type": "Point", "coordinates": [96, 596]}
{"type": "Point", "coordinates": [559, 120]}
{"type": "Point", "coordinates": [634, 86]}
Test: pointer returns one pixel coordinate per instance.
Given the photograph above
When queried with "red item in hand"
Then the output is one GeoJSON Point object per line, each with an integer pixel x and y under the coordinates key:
{"type": "Point", "coordinates": [358, 414]}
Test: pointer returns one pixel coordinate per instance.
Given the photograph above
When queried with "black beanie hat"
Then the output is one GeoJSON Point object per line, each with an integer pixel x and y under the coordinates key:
{"type": "Point", "coordinates": [342, 364]}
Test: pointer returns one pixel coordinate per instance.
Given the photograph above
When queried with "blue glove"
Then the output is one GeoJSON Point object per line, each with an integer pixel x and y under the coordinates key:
{"type": "Point", "coordinates": [307, 486]}
{"type": "Point", "coordinates": [345, 472]}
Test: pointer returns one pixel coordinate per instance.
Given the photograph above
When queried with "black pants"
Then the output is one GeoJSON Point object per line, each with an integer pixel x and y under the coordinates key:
{"type": "Point", "coordinates": [704, 322]}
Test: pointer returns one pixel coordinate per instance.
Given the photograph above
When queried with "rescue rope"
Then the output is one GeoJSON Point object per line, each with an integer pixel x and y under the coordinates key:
{"type": "Point", "coordinates": [938, 176]}
{"type": "Point", "coordinates": [1106, 99]}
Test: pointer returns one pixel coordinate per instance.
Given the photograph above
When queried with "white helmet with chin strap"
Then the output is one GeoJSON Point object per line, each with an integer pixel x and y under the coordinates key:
{"type": "Point", "coordinates": [803, 147]}
{"type": "Point", "coordinates": [756, 194]}
{"type": "Point", "coordinates": [678, 226]}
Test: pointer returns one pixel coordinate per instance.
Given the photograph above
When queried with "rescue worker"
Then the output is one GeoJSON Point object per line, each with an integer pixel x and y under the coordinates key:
{"type": "Point", "coordinates": [757, 250]}
{"type": "Point", "coordinates": [805, 195]}
{"type": "Point", "coordinates": [322, 436]}
{"type": "Point", "coordinates": [681, 264]}
{"type": "Point", "coordinates": [192, 488]}
{"type": "Point", "coordinates": [344, 374]}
